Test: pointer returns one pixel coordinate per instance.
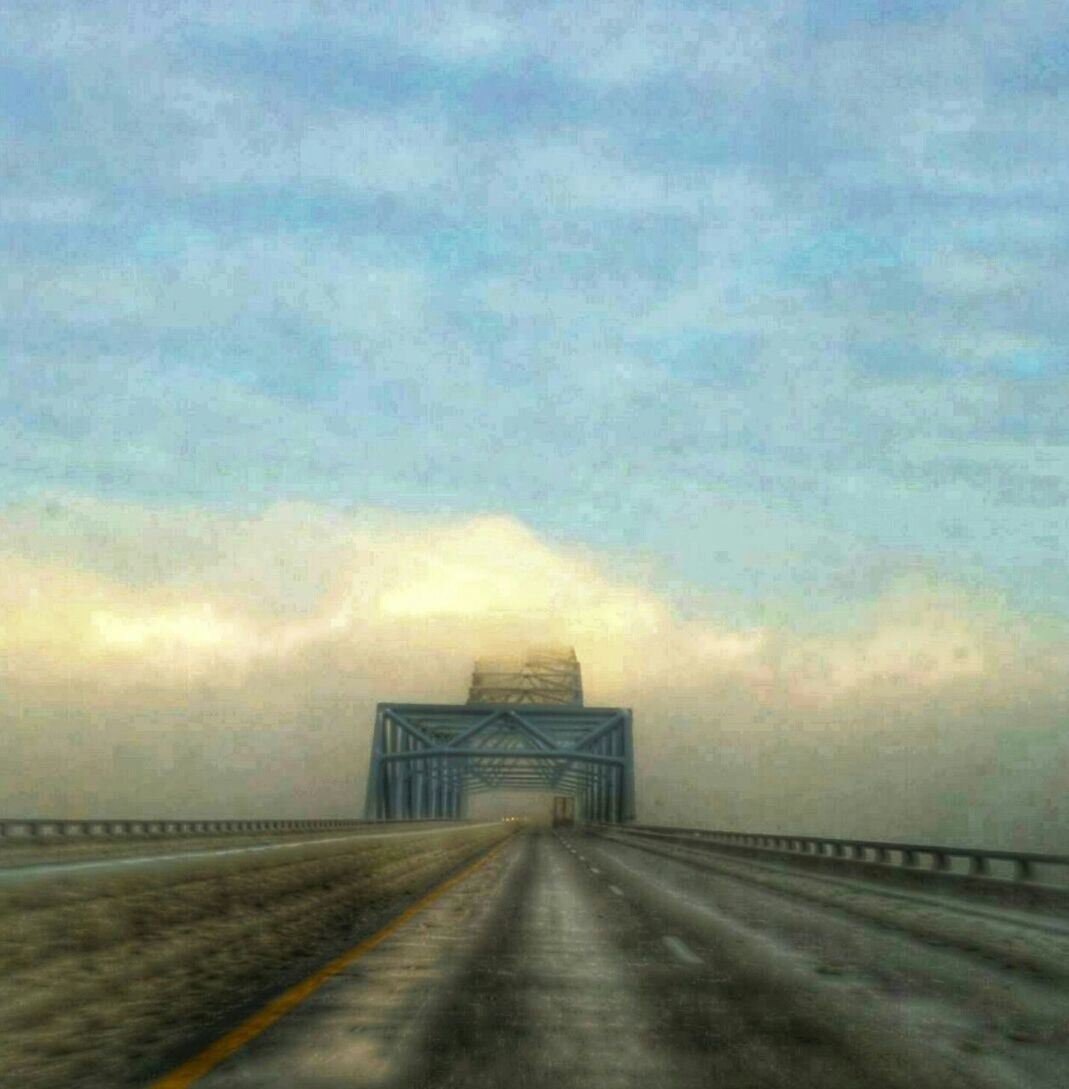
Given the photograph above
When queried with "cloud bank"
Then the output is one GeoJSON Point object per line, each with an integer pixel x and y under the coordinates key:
{"type": "Point", "coordinates": [170, 660]}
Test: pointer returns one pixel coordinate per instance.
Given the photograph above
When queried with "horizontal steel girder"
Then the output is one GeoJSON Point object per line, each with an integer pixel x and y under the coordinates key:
{"type": "Point", "coordinates": [519, 754]}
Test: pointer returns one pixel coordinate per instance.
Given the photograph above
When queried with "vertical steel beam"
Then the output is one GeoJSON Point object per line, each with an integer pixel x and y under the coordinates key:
{"type": "Point", "coordinates": [627, 807]}
{"type": "Point", "coordinates": [396, 775]}
{"type": "Point", "coordinates": [373, 794]}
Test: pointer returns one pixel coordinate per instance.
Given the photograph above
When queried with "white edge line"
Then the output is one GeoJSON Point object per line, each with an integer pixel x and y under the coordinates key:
{"type": "Point", "coordinates": [680, 950]}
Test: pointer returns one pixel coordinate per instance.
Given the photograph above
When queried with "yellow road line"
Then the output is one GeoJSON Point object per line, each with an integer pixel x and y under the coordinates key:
{"type": "Point", "coordinates": [225, 1046]}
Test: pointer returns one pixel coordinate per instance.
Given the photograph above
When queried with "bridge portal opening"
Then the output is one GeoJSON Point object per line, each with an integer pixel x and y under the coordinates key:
{"type": "Point", "coordinates": [534, 807]}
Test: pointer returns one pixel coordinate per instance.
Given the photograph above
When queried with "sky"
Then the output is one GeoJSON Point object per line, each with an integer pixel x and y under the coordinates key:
{"type": "Point", "coordinates": [725, 340]}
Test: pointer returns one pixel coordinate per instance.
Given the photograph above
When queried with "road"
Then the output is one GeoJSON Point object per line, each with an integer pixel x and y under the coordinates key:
{"type": "Point", "coordinates": [179, 854]}
{"type": "Point", "coordinates": [571, 960]}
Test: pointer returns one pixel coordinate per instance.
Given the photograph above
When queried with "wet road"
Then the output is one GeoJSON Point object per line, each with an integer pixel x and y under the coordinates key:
{"type": "Point", "coordinates": [573, 960]}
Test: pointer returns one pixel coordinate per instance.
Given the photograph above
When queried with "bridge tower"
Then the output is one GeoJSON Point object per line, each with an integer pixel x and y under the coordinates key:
{"type": "Point", "coordinates": [524, 727]}
{"type": "Point", "coordinates": [545, 675]}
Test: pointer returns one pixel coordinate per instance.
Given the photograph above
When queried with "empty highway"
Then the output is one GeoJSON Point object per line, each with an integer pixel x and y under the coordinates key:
{"type": "Point", "coordinates": [572, 960]}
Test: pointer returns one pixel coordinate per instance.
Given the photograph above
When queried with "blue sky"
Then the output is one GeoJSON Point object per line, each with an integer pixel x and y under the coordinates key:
{"type": "Point", "coordinates": [772, 294]}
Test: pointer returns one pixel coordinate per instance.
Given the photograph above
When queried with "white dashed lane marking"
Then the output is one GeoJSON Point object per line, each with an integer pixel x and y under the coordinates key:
{"type": "Point", "coordinates": [681, 951]}
{"type": "Point", "coordinates": [613, 888]}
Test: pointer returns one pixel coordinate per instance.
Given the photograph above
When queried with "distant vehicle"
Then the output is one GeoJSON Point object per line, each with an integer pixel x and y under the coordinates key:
{"type": "Point", "coordinates": [563, 811]}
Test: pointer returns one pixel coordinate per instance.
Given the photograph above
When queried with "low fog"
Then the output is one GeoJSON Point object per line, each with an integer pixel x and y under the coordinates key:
{"type": "Point", "coordinates": [174, 663]}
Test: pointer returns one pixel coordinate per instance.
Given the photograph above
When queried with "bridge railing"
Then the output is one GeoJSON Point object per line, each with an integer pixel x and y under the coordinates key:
{"type": "Point", "coordinates": [919, 859]}
{"type": "Point", "coordinates": [37, 829]}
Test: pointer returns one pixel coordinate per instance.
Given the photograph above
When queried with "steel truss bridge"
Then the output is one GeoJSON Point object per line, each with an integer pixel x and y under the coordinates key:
{"type": "Point", "coordinates": [546, 675]}
{"type": "Point", "coordinates": [535, 734]}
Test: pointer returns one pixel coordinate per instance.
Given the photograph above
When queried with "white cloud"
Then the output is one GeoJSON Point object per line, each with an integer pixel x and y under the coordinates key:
{"type": "Point", "coordinates": [975, 344]}
{"type": "Point", "coordinates": [614, 45]}
{"type": "Point", "coordinates": [1043, 457]}
{"type": "Point", "coordinates": [462, 33]}
{"type": "Point", "coordinates": [204, 283]}
{"type": "Point", "coordinates": [50, 208]}
{"type": "Point", "coordinates": [366, 575]}
{"type": "Point", "coordinates": [972, 274]}
{"type": "Point", "coordinates": [174, 639]}
{"type": "Point", "coordinates": [577, 171]}
{"type": "Point", "coordinates": [358, 151]}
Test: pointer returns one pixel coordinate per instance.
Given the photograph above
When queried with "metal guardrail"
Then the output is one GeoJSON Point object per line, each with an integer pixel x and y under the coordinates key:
{"type": "Point", "coordinates": [41, 828]}
{"type": "Point", "coordinates": [1009, 866]}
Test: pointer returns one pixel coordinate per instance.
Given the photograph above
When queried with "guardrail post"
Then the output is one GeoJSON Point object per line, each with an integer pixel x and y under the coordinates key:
{"type": "Point", "coordinates": [1023, 869]}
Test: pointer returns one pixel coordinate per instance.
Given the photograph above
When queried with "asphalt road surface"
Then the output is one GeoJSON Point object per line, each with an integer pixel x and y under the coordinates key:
{"type": "Point", "coordinates": [572, 960]}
